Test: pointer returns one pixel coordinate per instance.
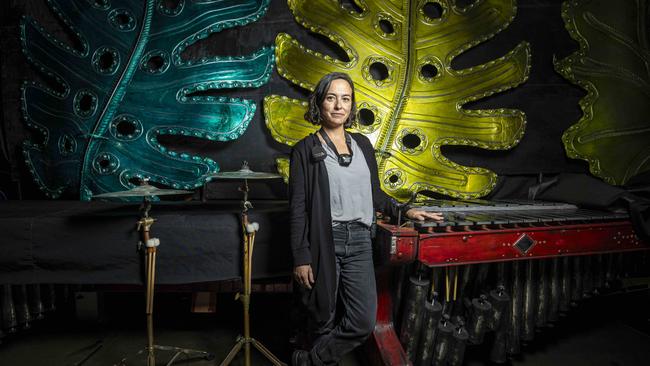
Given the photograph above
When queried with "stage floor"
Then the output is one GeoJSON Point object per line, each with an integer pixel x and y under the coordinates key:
{"type": "Point", "coordinates": [601, 331]}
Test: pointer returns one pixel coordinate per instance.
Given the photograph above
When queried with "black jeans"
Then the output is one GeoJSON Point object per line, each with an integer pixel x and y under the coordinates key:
{"type": "Point", "coordinates": [357, 292]}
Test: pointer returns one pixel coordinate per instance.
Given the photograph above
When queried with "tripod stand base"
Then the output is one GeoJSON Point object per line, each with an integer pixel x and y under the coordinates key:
{"type": "Point", "coordinates": [178, 351]}
{"type": "Point", "coordinates": [241, 341]}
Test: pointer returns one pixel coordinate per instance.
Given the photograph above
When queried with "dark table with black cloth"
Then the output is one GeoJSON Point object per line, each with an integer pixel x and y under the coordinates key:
{"type": "Point", "coordinates": [96, 242]}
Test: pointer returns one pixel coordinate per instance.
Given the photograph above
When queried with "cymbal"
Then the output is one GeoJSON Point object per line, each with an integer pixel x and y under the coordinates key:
{"type": "Point", "coordinates": [144, 190]}
{"type": "Point", "coordinates": [245, 173]}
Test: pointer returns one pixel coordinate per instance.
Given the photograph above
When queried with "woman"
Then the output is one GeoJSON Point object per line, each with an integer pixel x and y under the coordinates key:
{"type": "Point", "coordinates": [334, 194]}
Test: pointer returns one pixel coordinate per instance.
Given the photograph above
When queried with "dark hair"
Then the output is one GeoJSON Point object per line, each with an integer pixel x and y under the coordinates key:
{"type": "Point", "coordinates": [316, 98]}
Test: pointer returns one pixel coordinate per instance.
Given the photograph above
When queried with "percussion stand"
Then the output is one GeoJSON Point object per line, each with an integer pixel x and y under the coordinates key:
{"type": "Point", "coordinates": [151, 245]}
{"type": "Point", "coordinates": [249, 229]}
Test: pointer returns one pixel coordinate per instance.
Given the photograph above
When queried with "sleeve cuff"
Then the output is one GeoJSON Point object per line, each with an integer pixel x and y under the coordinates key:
{"type": "Point", "coordinates": [301, 256]}
{"type": "Point", "coordinates": [406, 208]}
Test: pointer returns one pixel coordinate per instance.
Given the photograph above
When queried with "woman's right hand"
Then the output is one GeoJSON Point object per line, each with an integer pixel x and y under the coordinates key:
{"type": "Point", "coordinates": [304, 276]}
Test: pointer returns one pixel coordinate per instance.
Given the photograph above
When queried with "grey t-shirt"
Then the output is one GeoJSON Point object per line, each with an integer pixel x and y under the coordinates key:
{"type": "Point", "coordinates": [350, 189]}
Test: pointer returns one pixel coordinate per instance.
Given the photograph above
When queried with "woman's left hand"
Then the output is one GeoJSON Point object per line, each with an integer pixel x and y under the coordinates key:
{"type": "Point", "coordinates": [421, 215]}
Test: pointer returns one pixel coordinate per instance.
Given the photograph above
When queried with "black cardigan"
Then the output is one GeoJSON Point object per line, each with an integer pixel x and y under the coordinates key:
{"type": "Point", "coordinates": [311, 218]}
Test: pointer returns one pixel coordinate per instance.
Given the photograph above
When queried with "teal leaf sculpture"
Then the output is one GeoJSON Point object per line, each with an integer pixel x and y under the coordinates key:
{"type": "Point", "coordinates": [126, 85]}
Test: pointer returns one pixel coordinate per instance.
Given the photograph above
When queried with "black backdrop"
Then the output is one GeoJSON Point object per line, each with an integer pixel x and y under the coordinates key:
{"type": "Point", "coordinates": [549, 101]}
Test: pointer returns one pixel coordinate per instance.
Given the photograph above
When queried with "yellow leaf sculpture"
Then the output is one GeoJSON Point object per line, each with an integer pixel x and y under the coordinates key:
{"type": "Point", "coordinates": [409, 96]}
{"type": "Point", "coordinates": [613, 65]}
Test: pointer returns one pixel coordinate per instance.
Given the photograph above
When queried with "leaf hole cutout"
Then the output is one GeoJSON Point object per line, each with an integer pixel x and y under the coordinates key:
{"type": "Point", "coordinates": [100, 4]}
{"type": "Point", "coordinates": [122, 19]}
{"type": "Point", "coordinates": [67, 145]}
{"type": "Point", "coordinates": [394, 178]}
{"type": "Point", "coordinates": [351, 5]}
{"type": "Point", "coordinates": [429, 71]}
{"type": "Point", "coordinates": [224, 92]}
{"type": "Point", "coordinates": [137, 181]}
{"type": "Point", "coordinates": [171, 7]}
{"type": "Point", "coordinates": [432, 194]}
{"type": "Point", "coordinates": [126, 128]}
{"type": "Point", "coordinates": [106, 60]}
{"type": "Point", "coordinates": [38, 138]}
{"type": "Point", "coordinates": [411, 141]}
{"type": "Point", "coordinates": [432, 10]}
{"type": "Point", "coordinates": [155, 63]}
{"type": "Point", "coordinates": [85, 103]}
{"type": "Point", "coordinates": [328, 47]}
{"type": "Point", "coordinates": [464, 3]}
{"type": "Point", "coordinates": [141, 180]}
{"type": "Point", "coordinates": [170, 4]}
{"type": "Point", "coordinates": [67, 35]}
{"type": "Point", "coordinates": [378, 71]}
{"type": "Point", "coordinates": [386, 26]}
{"type": "Point", "coordinates": [56, 85]}
{"type": "Point", "coordinates": [106, 163]}
{"type": "Point", "coordinates": [366, 117]}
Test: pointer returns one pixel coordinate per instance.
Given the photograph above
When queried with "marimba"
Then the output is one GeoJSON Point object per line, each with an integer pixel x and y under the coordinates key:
{"type": "Point", "coordinates": [21, 305]}
{"type": "Point", "coordinates": [538, 256]}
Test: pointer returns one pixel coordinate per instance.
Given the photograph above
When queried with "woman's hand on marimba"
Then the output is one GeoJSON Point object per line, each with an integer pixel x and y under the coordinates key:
{"type": "Point", "coordinates": [421, 215]}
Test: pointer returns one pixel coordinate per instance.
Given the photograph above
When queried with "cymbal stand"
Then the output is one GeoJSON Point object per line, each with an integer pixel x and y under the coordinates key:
{"type": "Point", "coordinates": [150, 246]}
{"type": "Point", "coordinates": [249, 230]}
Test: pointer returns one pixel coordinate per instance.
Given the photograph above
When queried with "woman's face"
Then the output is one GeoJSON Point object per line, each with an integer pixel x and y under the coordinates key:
{"type": "Point", "coordinates": [337, 103]}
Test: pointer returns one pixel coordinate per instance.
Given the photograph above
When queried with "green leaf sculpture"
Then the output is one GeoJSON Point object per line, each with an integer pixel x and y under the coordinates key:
{"type": "Point", "coordinates": [612, 64]}
{"type": "Point", "coordinates": [127, 85]}
{"type": "Point", "coordinates": [416, 106]}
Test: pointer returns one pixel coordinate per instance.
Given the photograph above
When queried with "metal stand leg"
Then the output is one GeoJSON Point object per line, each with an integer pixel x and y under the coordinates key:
{"type": "Point", "coordinates": [151, 245]}
{"type": "Point", "coordinates": [249, 239]}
